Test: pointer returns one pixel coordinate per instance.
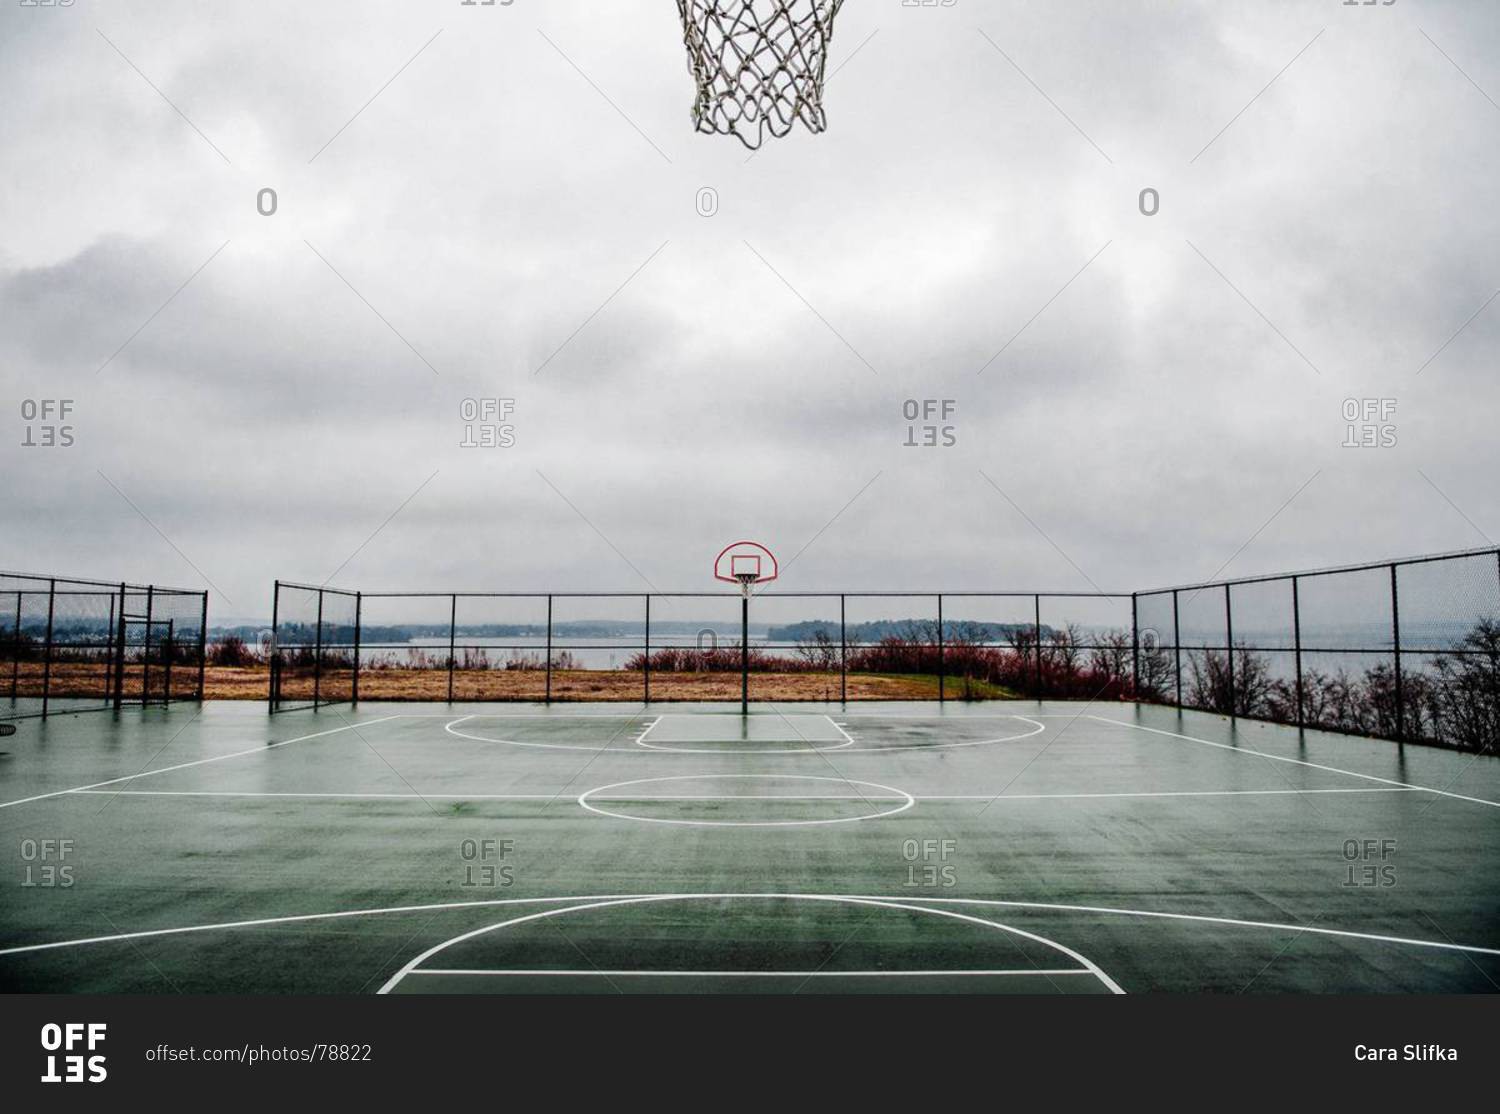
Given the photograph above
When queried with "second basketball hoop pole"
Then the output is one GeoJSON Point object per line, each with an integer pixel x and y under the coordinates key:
{"type": "Point", "coordinates": [745, 563]}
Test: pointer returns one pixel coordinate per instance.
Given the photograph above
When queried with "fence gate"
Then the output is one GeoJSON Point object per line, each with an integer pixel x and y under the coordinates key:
{"type": "Point", "coordinates": [145, 652]}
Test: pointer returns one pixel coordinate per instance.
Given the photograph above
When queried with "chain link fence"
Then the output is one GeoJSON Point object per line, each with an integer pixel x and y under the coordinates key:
{"type": "Point", "coordinates": [335, 645]}
{"type": "Point", "coordinates": [75, 645]}
{"type": "Point", "coordinates": [1406, 650]}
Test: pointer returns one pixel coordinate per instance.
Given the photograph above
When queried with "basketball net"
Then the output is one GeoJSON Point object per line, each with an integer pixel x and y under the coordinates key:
{"type": "Point", "coordinates": [758, 64]}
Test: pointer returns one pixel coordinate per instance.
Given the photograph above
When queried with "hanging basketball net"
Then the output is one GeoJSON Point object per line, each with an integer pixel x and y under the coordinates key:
{"type": "Point", "coordinates": [758, 64]}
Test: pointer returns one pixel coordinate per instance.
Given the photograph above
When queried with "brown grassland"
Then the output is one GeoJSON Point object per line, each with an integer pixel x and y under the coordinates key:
{"type": "Point", "coordinates": [73, 679]}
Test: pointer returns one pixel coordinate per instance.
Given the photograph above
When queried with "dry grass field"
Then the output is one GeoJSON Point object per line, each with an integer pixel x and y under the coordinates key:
{"type": "Point", "coordinates": [86, 680]}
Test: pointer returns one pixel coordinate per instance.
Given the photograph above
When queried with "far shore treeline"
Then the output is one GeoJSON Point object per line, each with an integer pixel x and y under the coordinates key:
{"type": "Point", "coordinates": [957, 630]}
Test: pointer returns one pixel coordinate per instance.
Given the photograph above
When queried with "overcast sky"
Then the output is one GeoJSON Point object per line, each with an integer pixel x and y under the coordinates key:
{"type": "Point", "coordinates": [1139, 400]}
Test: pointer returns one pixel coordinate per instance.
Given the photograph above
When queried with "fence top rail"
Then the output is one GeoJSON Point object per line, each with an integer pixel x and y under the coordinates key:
{"type": "Point", "coordinates": [1332, 570]}
{"type": "Point", "coordinates": [914, 593]}
{"type": "Point", "coordinates": [323, 588]}
{"type": "Point", "coordinates": [113, 585]}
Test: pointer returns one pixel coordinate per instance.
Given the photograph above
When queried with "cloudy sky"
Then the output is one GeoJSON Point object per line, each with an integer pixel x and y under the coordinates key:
{"type": "Point", "coordinates": [502, 202]}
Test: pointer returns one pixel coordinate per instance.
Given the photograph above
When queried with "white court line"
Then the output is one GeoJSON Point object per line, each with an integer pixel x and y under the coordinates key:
{"type": "Point", "coordinates": [877, 902]}
{"type": "Point", "coordinates": [841, 748]}
{"type": "Point", "coordinates": [810, 747]}
{"type": "Point", "coordinates": [570, 714]}
{"type": "Point", "coordinates": [1298, 762]}
{"type": "Point", "coordinates": [751, 974]}
{"type": "Point", "coordinates": [199, 762]}
{"type": "Point", "coordinates": [583, 802]}
{"type": "Point", "coordinates": [607, 745]}
{"type": "Point", "coordinates": [505, 902]}
{"type": "Point", "coordinates": [433, 796]}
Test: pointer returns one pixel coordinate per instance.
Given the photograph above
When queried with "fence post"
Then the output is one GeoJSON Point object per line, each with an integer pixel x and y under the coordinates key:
{"type": "Point", "coordinates": [843, 653]}
{"type": "Point", "coordinates": [1177, 647]}
{"type": "Point", "coordinates": [1297, 647]}
{"type": "Point", "coordinates": [146, 646]}
{"type": "Point", "coordinates": [1135, 644]}
{"type": "Point", "coordinates": [273, 695]}
{"type": "Point", "coordinates": [1396, 644]}
{"type": "Point", "coordinates": [940, 649]}
{"type": "Point", "coordinates": [1037, 643]}
{"type": "Point", "coordinates": [549, 649]}
{"type": "Point", "coordinates": [202, 646]}
{"type": "Point", "coordinates": [646, 664]}
{"type": "Point", "coordinates": [1229, 637]}
{"type": "Point", "coordinates": [318, 654]}
{"type": "Point", "coordinates": [47, 649]}
{"type": "Point", "coordinates": [120, 651]}
{"type": "Point", "coordinates": [169, 648]}
{"type": "Point", "coordinates": [359, 603]}
{"type": "Point", "coordinates": [452, 640]}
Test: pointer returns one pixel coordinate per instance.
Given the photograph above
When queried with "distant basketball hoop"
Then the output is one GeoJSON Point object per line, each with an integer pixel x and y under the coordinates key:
{"type": "Point", "coordinates": [745, 564]}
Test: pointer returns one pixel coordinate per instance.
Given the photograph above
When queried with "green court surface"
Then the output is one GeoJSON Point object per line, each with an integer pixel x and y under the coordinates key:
{"type": "Point", "coordinates": [883, 848]}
